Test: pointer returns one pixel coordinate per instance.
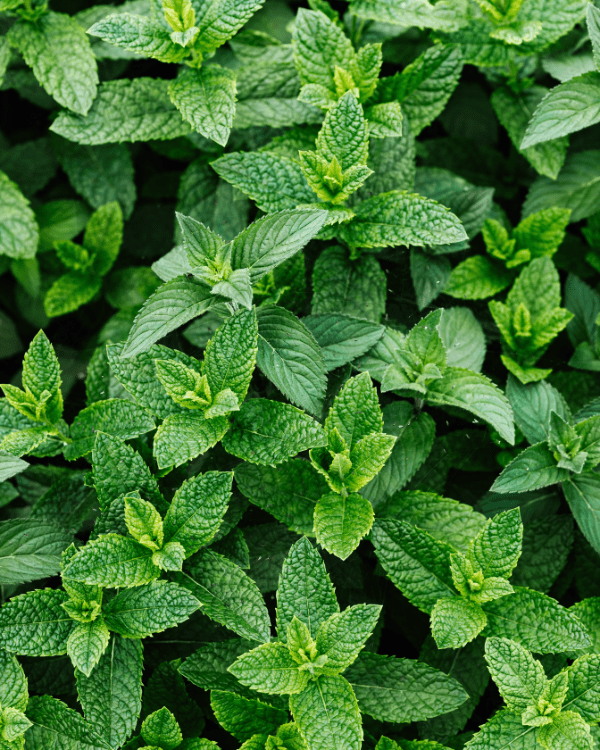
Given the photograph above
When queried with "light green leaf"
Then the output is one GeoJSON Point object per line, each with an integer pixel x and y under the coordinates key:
{"type": "Point", "coordinates": [182, 437]}
{"type": "Point", "coordinates": [505, 728]}
{"type": "Point", "coordinates": [463, 338]}
{"type": "Point", "coordinates": [125, 110]}
{"type": "Point", "coordinates": [231, 353]}
{"type": "Point", "coordinates": [144, 610]}
{"type": "Point", "coordinates": [577, 187]}
{"type": "Point", "coordinates": [112, 560]}
{"type": "Point", "coordinates": [289, 492]}
{"type": "Point", "coordinates": [514, 110]}
{"type": "Point", "coordinates": [35, 624]}
{"type": "Point", "coordinates": [520, 678]}
{"type": "Point", "coordinates": [343, 135]}
{"type": "Point", "coordinates": [19, 232]}
{"type": "Point", "coordinates": [341, 522]}
{"type": "Point", "coordinates": [533, 468]}
{"type": "Point", "coordinates": [456, 622]}
{"type": "Point", "coordinates": [270, 668]}
{"type": "Point", "coordinates": [227, 594]}
{"type": "Point", "coordinates": [206, 99]}
{"type": "Point", "coordinates": [532, 406]}
{"type": "Point", "coordinates": [318, 712]}
{"type": "Point", "coordinates": [274, 238]}
{"type": "Point", "coordinates": [220, 21]}
{"type": "Point", "coordinates": [103, 237]}
{"type": "Point", "coordinates": [305, 590]}
{"type": "Point", "coordinates": [355, 412]}
{"type": "Point", "coordinates": [139, 34]}
{"type": "Point", "coordinates": [197, 509]}
{"type": "Point", "coordinates": [161, 728]}
{"type": "Point", "coordinates": [269, 432]}
{"type": "Point", "coordinates": [343, 635]}
{"type": "Point", "coordinates": [10, 465]}
{"type": "Point", "coordinates": [70, 292]}
{"type": "Point", "coordinates": [172, 305]}
{"type": "Point", "coordinates": [115, 417]}
{"type": "Point", "coordinates": [568, 731]}
{"type": "Point", "coordinates": [535, 621]}
{"type": "Point", "coordinates": [143, 522]}
{"type": "Point", "coordinates": [584, 687]}
{"type": "Point", "coordinates": [87, 643]}
{"type": "Point", "coordinates": [583, 495]}
{"type": "Point", "coordinates": [56, 725]}
{"type": "Point", "coordinates": [59, 53]}
{"type": "Point", "coordinates": [497, 547]}
{"type": "Point", "coordinates": [415, 562]}
{"type": "Point", "coordinates": [290, 357]}
{"type": "Point", "coordinates": [111, 696]}
{"type": "Point", "coordinates": [477, 277]}
{"type": "Point", "coordinates": [244, 718]}
{"type": "Point", "coordinates": [13, 688]}
{"type": "Point", "coordinates": [402, 218]}
{"type": "Point", "coordinates": [342, 338]}
{"type": "Point", "coordinates": [474, 393]}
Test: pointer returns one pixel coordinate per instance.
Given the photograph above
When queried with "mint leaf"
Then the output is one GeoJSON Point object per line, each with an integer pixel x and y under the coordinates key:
{"type": "Point", "coordinates": [123, 110]}
{"type": "Point", "coordinates": [227, 595]}
{"type": "Point", "coordinates": [269, 432]}
{"type": "Point", "coordinates": [112, 560]}
{"type": "Point", "coordinates": [519, 677]}
{"type": "Point", "coordinates": [533, 468]}
{"type": "Point", "coordinates": [208, 667]}
{"type": "Point", "coordinates": [220, 21]}
{"type": "Point", "coordinates": [30, 550]}
{"type": "Point", "coordinates": [290, 357]}
{"type": "Point", "coordinates": [583, 495]}
{"type": "Point", "coordinates": [402, 690]}
{"type": "Point", "coordinates": [343, 635]}
{"type": "Point", "coordinates": [456, 622]}
{"type": "Point", "coordinates": [341, 522]}
{"type": "Point", "coordinates": [144, 610]}
{"type": "Point", "coordinates": [477, 277]}
{"type": "Point", "coordinates": [532, 405]}
{"type": "Point", "coordinates": [270, 668]}
{"type": "Point", "coordinates": [342, 338]}
{"type": "Point", "coordinates": [111, 695]}
{"type": "Point", "coordinates": [505, 727]}
{"type": "Point", "coordinates": [242, 717]}
{"type": "Point", "coordinates": [318, 710]}
{"type": "Point", "coordinates": [56, 724]}
{"type": "Point", "coordinates": [35, 624]}
{"type": "Point", "coordinates": [20, 234]}
{"type": "Point", "coordinates": [497, 548]}
{"type": "Point", "coordinates": [206, 99]}
{"type": "Point", "coordinates": [138, 34]}
{"type": "Point", "coordinates": [182, 437]}
{"type": "Point", "coordinates": [86, 644]}
{"type": "Point", "coordinates": [59, 52]}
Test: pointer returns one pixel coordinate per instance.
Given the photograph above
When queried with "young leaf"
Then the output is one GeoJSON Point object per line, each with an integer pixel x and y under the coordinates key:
{"type": "Point", "coordinates": [341, 522]}
{"type": "Point", "coordinates": [532, 405]}
{"type": "Point", "coordinates": [305, 590]}
{"type": "Point", "coordinates": [533, 468]}
{"type": "Point", "coordinates": [343, 635]}
{"type": "Point", "coordinates": [86, 644]}
{"type": "Point", "coordinates": [161, 728]}
{"type": "Point", "coordinates": [520, 678]}
{"type": "Point", "coordinates": [182, 437]}
{"type": "Point", "coordinates": [504, 727]}
{"type": "Point", "coordinates": [496, 549]}
{"type": "Point", "coordinates": [270, 668]}
{"type": "Point", "coordinates": [112, 560]}
{"type": "Point", "coordinates": [144, 610]}
{"type": "Point", "coordinates": [456, 622]}
{"type": "Point", "coordinates": [139, 34]}
{"type": "Point", "coordinates": [318, 712]}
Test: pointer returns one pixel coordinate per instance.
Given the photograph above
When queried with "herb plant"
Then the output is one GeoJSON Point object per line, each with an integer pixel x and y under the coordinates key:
{"type": "Point", "coordinates": [299, 326]}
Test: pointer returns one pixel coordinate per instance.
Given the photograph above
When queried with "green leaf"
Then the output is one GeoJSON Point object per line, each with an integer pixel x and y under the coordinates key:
{"type": "Point", "coordinates": [424, 87]}
{"type": "Point", "coordinates": [402, 218]}
{"type": "Point", "coordinates": [111, 696]}
{"type": "Point", "coordinates": [568, 731]}
{"type": "Point", "coordinates": [161, 729]}
{"type": "Point", "coordinates": [415, 562]}
{"type": "Point", "coordinates": [274, 238]}
{"type": "Point", "coordinates": [171, 305]}
{"type": "Point", "coordinates": [583, 495]}
{"type": "Point", "coordinates": [270, 668]}
{"type": "Point", "coordinates": [30, 549]}
{"type": "Point", "coordinates": [355, 412]}
{"type": "Point", "coordinates": [136, 110]}
{"type": "Point", "coordinates": [197, 509]}
{"type": "Point", "coordinates": [584, 686]}
{"type": "Point", "coordinates": [327, 715]}
{"type": "Point", "coordinates": [514, 110]}
{"type": "Point", "coordinates": [505, 728]}
{"type": "Point", "coordinates": [144, 610]}
{"type": "Point", "coordinates": [231, 353]}
{"type": "Point", "coordinates": [86, 644]}
{"type": "Point", "coordinates": [59, 53]}
{"type": "Point", "coordinates": [343, 135]}
{"type": "Point", "coordinates": [182, 437]}
{"type": "Point", "coordinates": [474, 393]}
{"type": "Point", "coordinates": [289, 492]}
{"type": "Point", "coordinates": [535, 621]}
{"type": "Point", "coordinates": [319, 47]}
{"type": "Point", "coordinates": [496, 549]}
{"type": "Point", "coordinates": [35, 624]}
{"type": "Point", "coordinates": [520, 678]}
{"type": "Point", "coordinates": [402, 690]}
{"type": "Point", "coordinates": [144, 522]}
{"type": "Point", "coordinates": [543, 232]}
{"type": "Point", "coordinates": [342, 338]}
{"type": "Point", "coordinates": [100, 174]}
{"type": "Point", "coordinates": [56, 725]}
{"type": "Point", "coordinates": [577, 187]}
{"type": "Point", "coordinates": [477, 277]}
{"type": "Point", "coordinates": [70, 292]}
{"type": "Point", "coordinates": [532, 406]}
{"type": "Point", "coordinates": [269, 432]}
{"type": "Point", "coordinates": [220, 21]}
{"type": "Point", "coordinates": [41, 373]}
{"type": "Point", "coordinates": [115, 417]}
{"type": "Point", "coordinates": [139, 34]}
{"type": "Point", "coordinates": [274, 182]}
{"type": "Point", "coordinates": [13, 688]}
{"type": "Point", "coordinates": [20, 234]}
{"type": "Point", "coordinates": [456, 622]}
{"type": "Point", "coordinates": [341, 522]}
{"type": "Point", "coordinates": [290, 357]}
{"type": "Point", "coordinates": [10, 465]}
{"type": "Point", "coordinates": [569, 107]}
{"type": "Point", "coordinates": [343, 635]}
{"type": "Point", "coordinates": [305, 590]}
{"type": "Point", "coordinates": [103, 237]}
{"type": "Point", "coordinates": [112, 560]}
{"type": "Point", "coordinates": [350, 287]}
{"type": "Point", "coordinates": [533, 468]}
{"type": "Point", "coordinates": [208, 667]}
{"type": "Point", "coordinates": [227, 595]}
{"type": "Point", "coordinates": [244, 718]}
{"type": "Point", "coordinates": [206, 99]}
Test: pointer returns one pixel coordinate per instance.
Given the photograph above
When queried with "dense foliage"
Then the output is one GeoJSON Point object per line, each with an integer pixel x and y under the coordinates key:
{"type": "Point", "coordinates": [300, 326]}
